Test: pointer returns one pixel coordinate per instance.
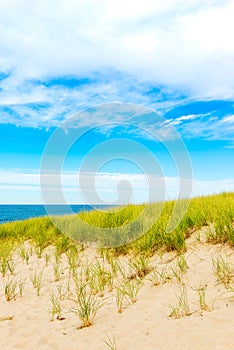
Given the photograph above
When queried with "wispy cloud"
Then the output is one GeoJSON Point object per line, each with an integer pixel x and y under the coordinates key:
{"type": "Point", "coordinates": [115, 51]}
{"type": "Point", "coordinates": [108, 187]}
{"type": "Point", "coordinates": [186, 118]}
{"type": "Point", "coordinates": [40, 105]}
{"type": "Point", "coordinates": [228, 119]}
{"type": "Point", "coordinates": [145, 123]}
{"type": "Point", "coordinates": [207, 126]}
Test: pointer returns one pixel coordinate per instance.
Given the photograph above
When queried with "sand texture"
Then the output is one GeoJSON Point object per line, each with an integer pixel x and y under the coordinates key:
{"type": "Point", "coordinates": [149, 323]}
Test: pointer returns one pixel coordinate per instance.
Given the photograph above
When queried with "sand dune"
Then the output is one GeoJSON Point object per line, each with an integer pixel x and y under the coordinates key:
{"type": "Point", "coordinates": [142, 325]}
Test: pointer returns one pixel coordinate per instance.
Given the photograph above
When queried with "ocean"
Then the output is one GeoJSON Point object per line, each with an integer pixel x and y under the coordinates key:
{"type": "Point", "coordinates": [15, 212]}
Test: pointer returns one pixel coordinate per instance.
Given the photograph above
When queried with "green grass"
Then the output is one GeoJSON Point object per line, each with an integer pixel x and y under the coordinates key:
{"type": "Point", "coordinates": [144, 233]}
{"type": "Point", "coordinates": [10, 287]}
{"type": "Point", "coordinates": [181, 307]}
{"type": "Point", "coordinates": [110, 342]}
{"type": "Point", "coordinates": [109, 273]}
{"type": "Point", "coordinates": [223, 270]}
{"type": "Point", "coordinates": [202, 299]}
{"type": "Point", "coordinates": [130, 289]}
{"type": "Point", "coordinates": [86, 306]}
{"type": "Point", "coordinates": [55, 307]}
{"type": "Point", "coordinates": [36, 279]}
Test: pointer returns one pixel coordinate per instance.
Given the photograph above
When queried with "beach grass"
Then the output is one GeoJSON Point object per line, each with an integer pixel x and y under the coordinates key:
{"type": "Point", "coordinates": [215, 212]}
{"type": "Point", "coordinates": [38, 261]}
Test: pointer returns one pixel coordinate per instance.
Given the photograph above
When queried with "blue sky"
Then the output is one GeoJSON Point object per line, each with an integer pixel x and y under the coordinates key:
{"type": "Point", "coordinates": [60, 59]}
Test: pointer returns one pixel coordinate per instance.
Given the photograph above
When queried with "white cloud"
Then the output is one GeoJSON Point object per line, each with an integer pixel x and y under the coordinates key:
{"type": "Point", "coordinates": [185, 46]}
{"type": "Point", "coordinates": [57, 103]}
{"type": "Point", "coordinates": [202, 187]}
{"type": "Point", "coordinates": [228, 119]}
{"type": "Point", "coordinates": [183, 118]}
{"type": "Point", "coordinates": [152, 126]}
{"type": "Point", "coordinates": [25, 187]}
{"type": "Point", "coordinates": [207, 126]}
{"type": "Point", "coordinates": [134, 120]}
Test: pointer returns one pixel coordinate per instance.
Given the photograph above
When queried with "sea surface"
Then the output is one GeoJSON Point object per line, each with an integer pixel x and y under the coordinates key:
{"type": "Point", "coordinates": [10, 212]}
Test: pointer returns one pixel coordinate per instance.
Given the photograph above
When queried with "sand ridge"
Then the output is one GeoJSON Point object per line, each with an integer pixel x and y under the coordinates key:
{"type": "Point", "coordinates": [145, 324]}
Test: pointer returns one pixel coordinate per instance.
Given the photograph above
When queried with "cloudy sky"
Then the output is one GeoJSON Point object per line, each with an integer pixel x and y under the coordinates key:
{"type": "Point", "coordinates": [61, 58]}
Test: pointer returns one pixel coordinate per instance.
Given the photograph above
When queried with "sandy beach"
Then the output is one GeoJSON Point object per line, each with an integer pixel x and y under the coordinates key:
{"type": "Point", "coordinates": [149, 323]}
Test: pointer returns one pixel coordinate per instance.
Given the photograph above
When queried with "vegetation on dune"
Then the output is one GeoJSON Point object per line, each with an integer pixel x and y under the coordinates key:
{"type": "Point", "coordinates": [88, 280]}
{"type": "Point", "coordinates": [216, 212]}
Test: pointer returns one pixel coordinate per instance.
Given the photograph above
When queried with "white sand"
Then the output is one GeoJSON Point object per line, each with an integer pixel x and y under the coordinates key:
{"type": "Point", "coordinates": [143, 325]}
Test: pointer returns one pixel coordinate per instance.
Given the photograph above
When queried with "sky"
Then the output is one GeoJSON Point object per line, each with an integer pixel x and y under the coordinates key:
{"type": "Point", "coordinates": [115, 101]}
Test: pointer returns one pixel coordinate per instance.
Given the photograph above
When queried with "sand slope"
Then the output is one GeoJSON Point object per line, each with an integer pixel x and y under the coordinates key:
{"type": "Point", "coordinates": [142, 325]}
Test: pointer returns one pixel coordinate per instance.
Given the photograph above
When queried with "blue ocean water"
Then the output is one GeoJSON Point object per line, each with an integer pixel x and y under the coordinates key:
{"type": "Point", "coordinates": [15, 212]}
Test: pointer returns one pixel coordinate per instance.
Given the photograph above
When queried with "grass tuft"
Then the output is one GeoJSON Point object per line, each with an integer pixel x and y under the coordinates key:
{"type": "Point", "coordinates": [86, 306]}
